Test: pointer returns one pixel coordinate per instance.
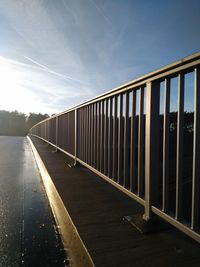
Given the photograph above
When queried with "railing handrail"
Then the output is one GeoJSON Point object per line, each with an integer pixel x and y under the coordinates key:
{"type": "Point", "coordinates": [134, 83]}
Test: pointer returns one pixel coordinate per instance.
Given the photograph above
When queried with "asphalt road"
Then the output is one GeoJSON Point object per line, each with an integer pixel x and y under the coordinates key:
{"type": "Point", "coordinates": [28, 235]}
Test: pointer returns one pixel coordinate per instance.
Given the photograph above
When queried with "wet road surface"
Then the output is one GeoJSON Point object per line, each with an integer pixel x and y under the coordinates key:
{"type": "Point", "coordinates": [28, 235]}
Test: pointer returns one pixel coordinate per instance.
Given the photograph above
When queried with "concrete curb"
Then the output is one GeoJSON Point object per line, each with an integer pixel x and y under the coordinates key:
{"type": "Point", "coordinates": [73, 244]}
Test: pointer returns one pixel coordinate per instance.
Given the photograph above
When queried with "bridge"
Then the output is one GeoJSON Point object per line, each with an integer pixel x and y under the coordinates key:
{"type": "Point", "coordinates": [131, 153]}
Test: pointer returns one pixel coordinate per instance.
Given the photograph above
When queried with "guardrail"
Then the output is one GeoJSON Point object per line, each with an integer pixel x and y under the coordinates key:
{"type": "Point", "coordinates": [137, 139]}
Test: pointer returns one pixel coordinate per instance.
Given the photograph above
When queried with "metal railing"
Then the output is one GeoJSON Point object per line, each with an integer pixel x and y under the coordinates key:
{"type": "Point", "coordinates": [151, 155]}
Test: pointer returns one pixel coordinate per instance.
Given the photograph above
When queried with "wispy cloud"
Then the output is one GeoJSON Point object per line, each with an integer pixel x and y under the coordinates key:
{"type": "Point", "coordinates": [101, 12]}
{"type": "Point", "coordinates": [47, 69]}
{"type": "Point", "coordinates": [33, 82]}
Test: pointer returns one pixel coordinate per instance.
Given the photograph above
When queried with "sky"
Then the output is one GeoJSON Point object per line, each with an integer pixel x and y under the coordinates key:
{"type": "Point", "coordinates": [55, 54]}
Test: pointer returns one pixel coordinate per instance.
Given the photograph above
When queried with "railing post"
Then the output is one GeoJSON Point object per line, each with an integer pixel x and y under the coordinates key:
{"type": "Point", "coordinates": [151, 147]}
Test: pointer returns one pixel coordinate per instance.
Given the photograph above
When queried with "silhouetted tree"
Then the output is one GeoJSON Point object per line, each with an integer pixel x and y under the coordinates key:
{"type": "Point", "coordinates": [33, 119]}
{"type": "Point", "coordinates": [12, 123]}
{"type": "Point", "coordinates": [17, 123]}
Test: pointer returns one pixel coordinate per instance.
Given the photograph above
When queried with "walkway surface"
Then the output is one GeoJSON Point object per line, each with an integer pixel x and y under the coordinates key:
{"type": "Point", "coordinates": [97, 210]}
{"type": "Point", "coordinates": [27, 233]}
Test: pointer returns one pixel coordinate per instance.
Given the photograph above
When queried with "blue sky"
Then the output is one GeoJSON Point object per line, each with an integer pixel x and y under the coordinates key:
{"type": "Point", "coordinates": [55, 54]}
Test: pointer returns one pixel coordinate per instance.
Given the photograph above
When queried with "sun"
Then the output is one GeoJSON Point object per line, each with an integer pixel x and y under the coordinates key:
{"type": "Point", "coordinates": [8, 77]}
{"type": "Point", "coordinates": [8, 86]}
{"type": "Point", "coordinates": [12, 95]}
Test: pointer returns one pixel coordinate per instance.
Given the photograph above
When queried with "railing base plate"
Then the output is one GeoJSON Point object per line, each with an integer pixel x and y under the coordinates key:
{"type": "Point", "coordinates": [147, 227]}
{"type": "Point", "coordinates": [73, 165]}
{"type": "Point", "coordinates": [55, 151]}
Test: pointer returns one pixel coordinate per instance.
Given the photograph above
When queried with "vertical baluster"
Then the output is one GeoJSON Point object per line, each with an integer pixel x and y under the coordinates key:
{"type": "Point", "coordinates": [110, 140]}
{"type": "Point", "coordinates": [120, 140]}
{"type": "Point", "coordinates": [90, 120]}
{"type": "Point", "coordinates": [49, 130]}
{"type": "Point", "coordinates": [133, 144]}
{"type": "Point", "coordinates": [41, 130]}
{"type": "Point", "coordinates": [78, 133]}
{"type": "Point", "coordinates": [71, 132]}
{"type": "Point", "coordinates": [196, 153]}
{"type": "Point", "coordinates": [179, 159]}
{"type": "Point", "coordinates": [75, 135]}
{"type": "Point", "coordinates": [68, 132]}
{"type": "Point", "coordinates": [98, 134]}
{"type": "Point", "coordinates": [45, 129]}
{"type": "Point", "coordinates": [84, 132]}
{"type": "Point", "coordinates": [81, 133]}
{"type": "Point", "coordinates": [126, 143]}
{"type": "Point", "coordinates": [140, 142]}
{"type": "Point", "coordinates": [95, 135]}
{"type": "Point", "coordinates": [115, 131]}
{"type": "Point", "coordinates": [67, 137]}
{"type": "Point", "coordinates": [165, 193]}
{"type": "Point", "coordinates": [106, 138]}
{"type": "Point", "coordinates": [56, 133]}
{"type": "Point", "coordinates": [89, 133]}
{"type": "Point", "coordinates": [58, 130]}
{"type": "Point", "coordinates": [92, 135]}
{"type": "Point", "coordinates": [102, 138]}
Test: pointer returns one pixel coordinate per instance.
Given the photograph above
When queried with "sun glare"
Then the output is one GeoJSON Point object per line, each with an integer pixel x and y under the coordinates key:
{"type": "Point", "coordinates": [8, 76]}
{"type": "Point", "coordinates": [13, 95]}
{"type": "Point", "coordinates": [8, 82]}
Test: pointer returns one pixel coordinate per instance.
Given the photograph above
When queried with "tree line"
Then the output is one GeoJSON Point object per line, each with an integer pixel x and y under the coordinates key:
{"type": "Point", "coordinates": [18, 124]}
